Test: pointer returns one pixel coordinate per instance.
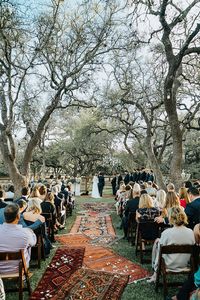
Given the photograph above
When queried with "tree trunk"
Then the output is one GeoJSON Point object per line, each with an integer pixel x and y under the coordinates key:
{"type": "Point", "coordinates": [177, 135]}
{"type": "Point", "coordinates": [154, 162]}
{"type": "Point", "coordinates": [17, 179]}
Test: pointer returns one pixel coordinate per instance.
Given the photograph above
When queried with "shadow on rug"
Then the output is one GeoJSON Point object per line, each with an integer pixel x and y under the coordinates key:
{"type": "Point", "coordinates": [65, 262]}
{"type": "Point", "coordinates": [91, 285]}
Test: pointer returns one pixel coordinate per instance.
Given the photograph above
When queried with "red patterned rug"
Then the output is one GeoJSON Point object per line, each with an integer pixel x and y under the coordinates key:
{"type": "Point", "coordinates": [73, 240]}
{"type": "Point", "coordinates": [91, 285]}
{"type": "Point", "coordinates": [93, 226]}
{"type": "Point", "coordinates": [103, 259]}
{"type": "Point", "coordinates": [64, 263]}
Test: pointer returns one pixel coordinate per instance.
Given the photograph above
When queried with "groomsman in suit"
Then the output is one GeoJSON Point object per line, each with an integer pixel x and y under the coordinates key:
{"type": "Point", "coordinates": [119, 179]}
{"type": "Point", "coordinates": [114, 184]}
{"type": "Point", "coordinates": [126, 178]}
{"type": "Point", "coordinates": [101, 183]}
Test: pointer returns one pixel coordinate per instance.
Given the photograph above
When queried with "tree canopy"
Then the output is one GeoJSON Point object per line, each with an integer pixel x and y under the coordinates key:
{"type": "Point", "coordinates": [99, 78]}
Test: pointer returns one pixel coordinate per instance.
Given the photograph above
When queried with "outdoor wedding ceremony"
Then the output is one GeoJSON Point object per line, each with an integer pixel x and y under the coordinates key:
{"type": "Point", "coordinates": [100, 149]}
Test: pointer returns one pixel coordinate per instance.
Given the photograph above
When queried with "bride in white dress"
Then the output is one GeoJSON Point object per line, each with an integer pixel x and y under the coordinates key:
{"type": "Point", "coordinates": [95, 190]}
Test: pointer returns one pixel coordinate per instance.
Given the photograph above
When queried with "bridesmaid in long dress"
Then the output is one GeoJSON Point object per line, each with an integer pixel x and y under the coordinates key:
{"type": "Point", "coordinates": [95, 190]}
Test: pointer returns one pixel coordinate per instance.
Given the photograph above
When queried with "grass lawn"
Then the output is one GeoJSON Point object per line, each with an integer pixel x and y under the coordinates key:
{"type": "Point", "coordinates": [135, 291]}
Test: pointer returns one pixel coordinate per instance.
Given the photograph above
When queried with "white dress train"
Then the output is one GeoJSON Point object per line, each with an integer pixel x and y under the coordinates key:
{"type": "Point", "coordinates": [95, 190]}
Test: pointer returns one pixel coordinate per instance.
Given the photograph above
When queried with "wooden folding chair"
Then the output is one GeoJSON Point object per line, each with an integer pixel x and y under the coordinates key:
{"type": "Point", "coordinates": [50, 225]}
{"type": "Point", "coordinates": [20, 275]}
{"type": "Point", "coordinates": [162, 269]}
{"type": "Point", "coordinates": [147, 232]}
{"type": "Point", "coordinates": [132, 226]}
{"type": "Point", "coordinates": [37, 251]}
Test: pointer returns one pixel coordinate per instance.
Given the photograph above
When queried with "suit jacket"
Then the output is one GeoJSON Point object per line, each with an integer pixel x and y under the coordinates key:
{"type": "Point", "coordinates": [101, 180]}
{"type": "Point", "coordinates": [113, 181]}
{"type": "Point", "coordinates": [192, 211]}
{"type": "Point", "coordinates": [126, 179]}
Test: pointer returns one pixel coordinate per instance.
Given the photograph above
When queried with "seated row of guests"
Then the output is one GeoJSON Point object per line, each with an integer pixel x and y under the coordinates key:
{"type": "Point", "coordinates": [180, 211]}
{"type": "Point", "coordinates": [22, 217]}
{"type": "Point", "coordinates": [128, 201]}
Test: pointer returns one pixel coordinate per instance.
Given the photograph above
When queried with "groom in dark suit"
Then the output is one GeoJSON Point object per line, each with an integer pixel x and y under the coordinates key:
{"type": "Point", "coordinates": [101, 183]}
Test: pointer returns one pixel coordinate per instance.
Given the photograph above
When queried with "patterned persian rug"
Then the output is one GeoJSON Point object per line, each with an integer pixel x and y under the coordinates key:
{"type": "Point", "coordinates": [91, 285]}
{"type": "Point", "coordinates": [73, 240]}
{"type": "Point", "coordinates": [103, 259]}
{"type": "Point", "coordinates": [94, 226]}
{"type": "Point", "coordinates": [64, 263]}
{"type": "Point", "coordinates": [99, 207]}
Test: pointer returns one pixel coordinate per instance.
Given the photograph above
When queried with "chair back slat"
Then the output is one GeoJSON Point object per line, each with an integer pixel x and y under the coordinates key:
{"type": "Point", "coordinates": [10, 255]}
{"type": "Point", "coordinates": [170, 249]}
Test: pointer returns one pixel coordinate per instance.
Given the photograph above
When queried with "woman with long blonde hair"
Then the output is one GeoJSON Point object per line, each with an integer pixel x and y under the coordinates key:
{"type": "Point", "coordinates": [146, 210]}
{"type": "Point", "coordinates": [183, 197]}
{"type": "Point", "coordinates": [172, 200]}
{"type": "Point", "coordinates": [33, 212]}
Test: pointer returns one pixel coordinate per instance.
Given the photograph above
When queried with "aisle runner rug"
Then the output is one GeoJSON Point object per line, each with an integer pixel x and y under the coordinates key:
{"type": "Point", "coordinates": [109, 261]}
{"type": "Point", "coordinates": [99, 207]}
{"type": "Point", "coordinates": [73, 240]}
{"type": "Point", "coordinates": [64, 263]}
{"type": "Point", "coordinates": [94, 227]}
{"type": "Point", "coordinates": [104, 259]}
{"type": "Point", "coordinates": [91, 285]}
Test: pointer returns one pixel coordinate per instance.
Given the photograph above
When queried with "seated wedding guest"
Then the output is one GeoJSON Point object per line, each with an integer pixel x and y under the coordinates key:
{"type": "Point", "coordinates": [179, 234]}
{"type": "Point", "coordinates": [2, 197]}
{"type": "Point", "coordinates": [61, 203]}
{"type": "Point", "coordinates": [160, 199]}
{"type": "Point", "coordinates": [22, 207]}
{"type": "Point", "coordinates": [9, 195]}
{"type": "Point", "coordinates": [43, 191]}
{"type": "Point", "coordinates": [120, 189]}
{"type": "Point", "coordinates": [14, 237]}
{"type": "Point", "coordinates": [48, 206]}
{"type": "Point", "coordinates": [171, 200]}
{"type": "Point", "coordinates": [2, 292]}
{"type": "Point", "coordinates": [33, 212]}
{"type": "Point", "coordinates": [35, 194]}
{"type": "Point", "coordinates": [170, 187]}
{"type": "Point", "coordinates": [121, 194]}
{"type": "Point", "coordinates": [25, 192]}
{"type": "Point", "coordinates": [131, 207]}
{"type": "Point", "coordinates": [150, 189]}
{"type": "Point", "coordinates": [128, 195]}
{"type": "Point", "coordinates": [197, 234]}
{"type": "Point", "coordinates": [183, 197]}
{"type": "Point", "coordinates": [146, 210]}
{"type": "Point", "coordinates": [188, 185]}
{"type": "Point", "coordinates": [192, 209]}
